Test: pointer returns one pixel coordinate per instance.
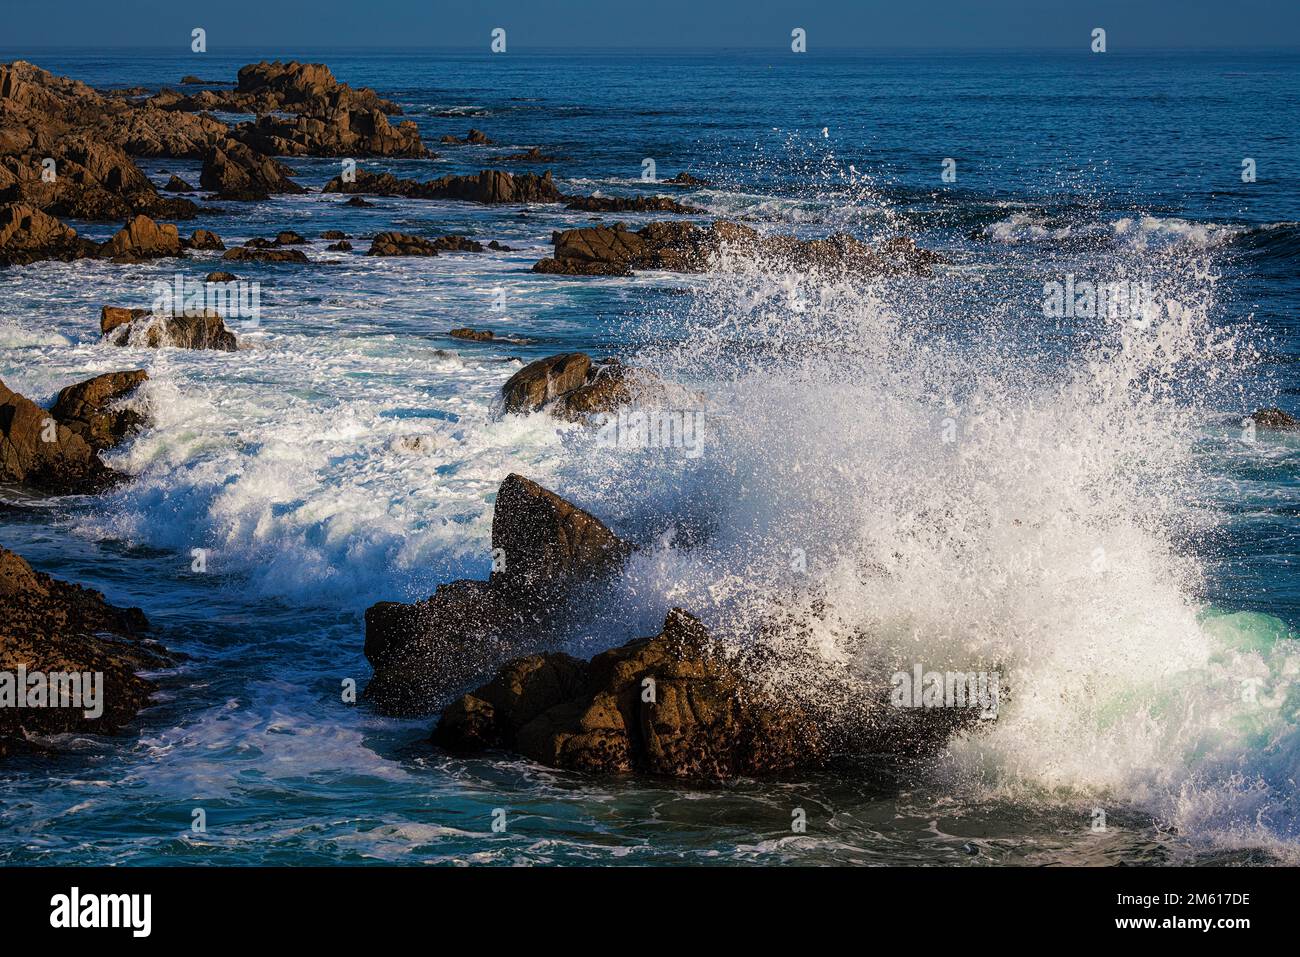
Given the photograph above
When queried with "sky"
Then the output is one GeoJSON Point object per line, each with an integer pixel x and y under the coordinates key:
{"type": "Point", "coordinates": [868, 24]}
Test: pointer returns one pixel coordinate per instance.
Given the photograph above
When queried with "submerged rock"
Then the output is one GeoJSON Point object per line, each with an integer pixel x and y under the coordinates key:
{"type": "Point", "coordinates": [672, 705]}
{"type": "Point", "coordinates": [424, 652]}
{"type": "Point", "coordinates": [52, 627]}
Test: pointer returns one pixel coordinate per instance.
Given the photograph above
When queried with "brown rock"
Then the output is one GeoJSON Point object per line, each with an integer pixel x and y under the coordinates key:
{"type": "Point", "coordinates": [401, 244]}
{"type": "Point", "coordinates": [630, 204]}
{"type": "Point", "coordinates": [92, 409]}
{"type": "Point", "coordinates": [488, 186]}
{"type": "Point", "coordinates": [539, 382]}
{"type": "Point", "coordinates": [148, 331]}
{"type": "Point", "coordinates": [1275, 419]}
{"type": "Point", "coordinates": [140, 239]}
{"type": "Point", "coordinates": [204, 239]}
{"type": "Point", "coordinates": [53, 627]}
{"type": "Point", "coordinates": [703, 721]}
{"type": "Point", "coordinates": [473, 335]}
{"type": "Point", "coordinates": [236, 171]}
{"type": "Point", "coordinates": [36, 450]}
{"type": "Point", "coordinates": [28, 235]}
{"type": "Point", "coordinates": [253, 254]}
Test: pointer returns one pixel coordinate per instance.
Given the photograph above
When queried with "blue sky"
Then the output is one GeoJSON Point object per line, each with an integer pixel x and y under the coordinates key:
{"type": "Point", "coordinates": [875, 24]}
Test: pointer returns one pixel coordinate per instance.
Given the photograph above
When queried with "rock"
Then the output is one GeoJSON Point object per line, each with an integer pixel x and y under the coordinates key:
{"type": "Point", "coordinates": [531, 155]}
{"type": "Point", "coordinates": [204, 239]}
{"type": "Point", "coordinates": [685, 247]}
{"type": "Point", "coordinates": [247, 254]}
{"type": "Point", "coordinates": [235, 171]}
{"type": "Point", "coordinates": [333, 132]}
{"type": "Point", "coordinates": [147, 331]}
{"type": "Point", "coordinates": [458, 244]}
{"type": "Point", "coordinates": [177, 185]}
{"type": "Point", "coordinates": [220, 276]}
{"type": "Point", "coordinates": [358, 202]}
{"type": "Point", "coordinates": [55, 628]}
{"type": "Point", "coordinates": [423, 653]}
{"type": "Point", "coordinates": [141, 239]}
{"type": "Point", "coordinates": [1275, 419]}
{"type": "Point", "coordinates": [705, 721]}
{"type": "Point", "coordinates": [111, 317]}
{"type": "Point", "coordinates": [684, 179]}
{"type": "Point", "coordinates": [37, 451]}
{"type": "Point", "coordinates": [539, 382]}
{"type": "Point", "coordinates": [474, 137]}
{"type": "Point", "coordinates": [473, 335]}
{"type": "Point", "coordinates": [92, 409]}
{"type": "Point", "coordinates": [499, 247]}
{"type": "Point", "coordinates": [27, 235]}
{"type": "Point", "coordinates": [401, 244]}
{"type": "Point", "coordinates": [488, 186]}
{"type": "Point", "coordinates": [287, 237]}
{"type": "Point", "coordinates": [630, 204]}
{"type": "Point", "coordinates": [333, 234]}
{"type": "Point", "coordinates": [342, 246]}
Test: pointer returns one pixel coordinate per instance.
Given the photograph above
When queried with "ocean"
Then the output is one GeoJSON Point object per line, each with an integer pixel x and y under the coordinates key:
{"type": "Point", "coordinates": [964, 469]}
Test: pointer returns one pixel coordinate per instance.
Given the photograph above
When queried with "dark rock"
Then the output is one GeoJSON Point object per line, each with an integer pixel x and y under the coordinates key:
{"type": "Point", "coordinates": [333, 234]}
{"type": "Point", "coordinates": [92, 409]}
{"type": "Point", "coordinates": [672, 705]}
{"type": "Point", "coordinates": [531, 155]}
{"type": "Point", "coordinates": [54, 627]}
{"type": "Point", "coordinates": [220, 276]}
{"type": "Point", "coordinates": [539, 382]}
{"type": "Point", "coordinates": [359, 203]}
{"type": "Point", "coordinates": [204, 239]}
{"type": "Point", "coordinates": [423, 653]}
{"type": "Point", "coordinates": [488, 186]}
{"type": "Point", "coordinates": [473, 335]}
{"type": "Point", "coordinates": [142, 329]}
{"type": "Point", "coordinates": [177, 185]}
{"type": "Point", "coordinates": [684, 179]}
{"type": "Point", "coordinates": [342, 246]}
{"type": "Point", "coordinates": [253, 254]}
{"type": "Point", "coordinates": [27, 235]}
{"type": "Point", "coordinates": [474, 137]}
{"type": "Point", "coordinates": [1275, 419]}
{"type": "Point", "coordinates": [630, 204]}
{"type": "Point", "coordinates": [401, 244]}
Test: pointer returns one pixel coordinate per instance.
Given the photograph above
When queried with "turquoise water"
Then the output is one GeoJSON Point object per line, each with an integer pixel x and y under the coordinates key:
{"type": "Point", "coordinates": [286, 462]}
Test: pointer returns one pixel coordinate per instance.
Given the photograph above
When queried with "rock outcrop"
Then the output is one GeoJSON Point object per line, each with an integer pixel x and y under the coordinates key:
{"type": "Point", "coordinates": [403, 244]}
{"type": "Point", "coordinates": [142, 239]}
{"type": "Point", "coordinates": [488, 186]}
{"type": "Point", "coordinates": [39, 451]}
{"type": "Point", "coordinates": [1276, 420]}
{"type": "Point", "coordinates": [140, 328]}
{"type": "Point", "coordinates": [630, 204]}
{"type": "Point", "coordinates": [423, 653]}
{"type": "Point", "coordinates": [27, 235]}
{"type": "Point", "coordinates": [235, 171]}
{"type": "Point", "coordinates": [93, 409]}
{"type": "Point", "coordinates": [672, 705]}
{"type": "Point", "coordinates": [686, 247]}
{"type": "Point", "coordinates": [51, 628]}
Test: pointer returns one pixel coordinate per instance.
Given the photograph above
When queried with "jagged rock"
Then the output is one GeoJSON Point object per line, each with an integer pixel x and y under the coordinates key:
{"type": "Point", "coordinates": [335, 132]}
{"type": "Point", "coordinates": [359, 203]}
{"type": "Point", "coordinates": [473, 335]}
{"type": "Point", "coordinates": [204, 239]}
{"type": "Point", "coordinates": [400, 244]}
{"type": "Point", "coordinates": [177, 185]}
{"type": "Point", "coordinates": [703, 720]}
{"type": "Point", "coordinates": [630, 204]}
{"type": "Point", "coordinates": [539, 382]}
{"type": "Point", "coordinates": [254, 254]}
{"type": "Point", "coordinates": [1275, 419]}
{"type": "Point", "coordinates": [488, 186]}
{"type": "Point", "coordinates": [140, 239]}
{"type": "Point", "coordinates": [93, 410]}
{"type": "Point", "coordinates": [38, 451]}
{"type": "Point", "coordinates": [685, 247]}
{"type": "Point", "coordinates": [27, 235]}
{"type": "Point", "coordinates": [277, 87]}
{"type": "Point", "coordinates": [51, 627]}
{"type": "Point", "coordinates": [684, 179]}
{"type": "Point", "coordinates": [424, 652]}
{"type": "Point", "coordinates": [141, 329]}
{"type": "Point", "coordinates": [235, 171]}
{"type": "Point", "coordinates": [342, 246]}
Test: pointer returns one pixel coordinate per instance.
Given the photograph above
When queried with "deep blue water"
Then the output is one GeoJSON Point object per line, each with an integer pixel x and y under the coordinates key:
{"type": "Point", "coordinates": [282, 459]}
